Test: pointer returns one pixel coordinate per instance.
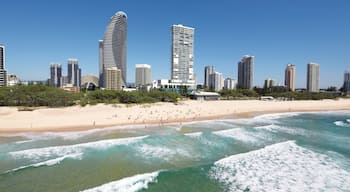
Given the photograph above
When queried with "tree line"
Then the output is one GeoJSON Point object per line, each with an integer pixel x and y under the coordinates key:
{"type": "Point", "coordinates": [42, 95]}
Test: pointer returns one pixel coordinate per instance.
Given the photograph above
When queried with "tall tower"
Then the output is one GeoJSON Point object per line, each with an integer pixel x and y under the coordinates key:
{"type": "Point", "coordinates": [313, 77]}
{"type": "Point", "coordinates": [245, 72]}
{"type": "Point", "coordinates": [74, 72]}
{"type": "Point", "coordinates": [113, 47]}
{"type": "Point", "coordinates": [142, 75]}
{"type": "Point", "coordinates": [182, 57]}
{"type": "Point", "coordinates": [3, 73]}
{"type": "Point", "coordinates": [346, 85]}
{"type": "Point", "coordinates": [289, 78]}
{"type": "Point", "coordinates": [207, 71]}
{"type": "Point", "coordinates": [112, 78]}
{"type": "Point", "coordinates": [56, 75]}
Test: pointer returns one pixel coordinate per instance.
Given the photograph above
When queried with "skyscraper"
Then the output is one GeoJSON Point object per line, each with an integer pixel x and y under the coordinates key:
{"type": "Point", "coordinates": [56, 75]}
{"type": "Point", "coordinates": [112, 79]}
{"type": "Point", "coordinates": [216, 81]}
{"type": "Point", "coordinates": [289, 78]}
{"type": "Point", "coordinates": [207, 71]}
{"type": "Point", "coordinates": [112, 50]}
{"type": "Point", "coordinates": [346, 85]}
{"type": "Point", "coordinates": [245, 72]}
{"type": "Point", "coordinates": [182, 57]}
{"type": "Point", "coordinates": [230, 84]}
{"type": "Point", "coordinates": [142, 75]}
{"type": "Point", "coordinates": [74, 72]}
{"type": "Point", "coordinates": [313, 77]}
{"type": "Point", "coordinates": [3, 73]}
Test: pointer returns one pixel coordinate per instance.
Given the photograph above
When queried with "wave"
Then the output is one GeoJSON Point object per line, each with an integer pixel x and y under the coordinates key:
{"type": "Point", "coordinates": [288, 130]}
{"type": "Point", "coordinates": [241, 134]}
{"type": "Point", "coordinates": [129, 184]}
{"type": "Point", "coordinates": [342, 123]}
{"type": "Point", "coordinates": [195, 134]}
{"type": "Point", "coordinates": [280, 167]}
{"type": "Point", "coordinates": [50, 162]}
{"type": "Point", "coordinates": [162, 152]}
{"type": "Point", "coordinates": [59, 151]}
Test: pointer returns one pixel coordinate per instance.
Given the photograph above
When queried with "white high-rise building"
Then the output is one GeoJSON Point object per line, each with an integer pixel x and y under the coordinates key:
{"type": "Point", "coordinates": [142, 75]}
{"type": "Point", "coordinates": [230, 84]}
{"type": "Point", "coordinates": [3, 72]}
{"type": "Point", "coordinates": [289, 78]}
{"type": "Point", "coordinates": [313, 77]}
{"type": "Point", "coordinates": [216, 81]}
{"type": "Point", "coordinates": [182, 58]}
{"type": "Point", "coordinates": [113, 49]}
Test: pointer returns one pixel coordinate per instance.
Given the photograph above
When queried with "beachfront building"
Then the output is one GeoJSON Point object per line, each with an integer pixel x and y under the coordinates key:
{"type": "Point", "coordinates": [289, 77]}
{"type": "Point", "coordinates": [3, 72]}
{"type": "Point", "coordinates": [112, 79]}
{"type": "Point", "coordinates": [182, 58]}
{"type": "Point", "coordinates": [313, 77]}
{"type": "Point", "coordinates": [12, 80]}
{"type": "Point", "coordinates": [74, 73]}
{"type": "Point", "coordinates": [216, 81]}
{"type": "Point", "coordinates": [112, 49]}
{"type": "Point", "coordinates": [245, 72]}
{"type": "Point", "coordinates": [269, 83]}
{"type": "Point", "coordinates": [230, 84]}
{"type": "Point", "coordinates": [346, 84]}
{"type": "Point", "coordinates": [142, 75]}
{"type": "Point", "coordinates": [55, 75]}
{"type": "Point", "coordinates": [207, 71]}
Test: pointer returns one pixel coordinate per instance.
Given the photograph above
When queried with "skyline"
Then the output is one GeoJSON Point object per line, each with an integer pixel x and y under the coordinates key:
{"type": "Point", "coordinates": [276, 33]}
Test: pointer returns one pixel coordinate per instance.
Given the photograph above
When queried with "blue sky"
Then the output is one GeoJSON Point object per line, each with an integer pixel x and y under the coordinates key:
{"type": "Point", "coordinates": [276, 32]}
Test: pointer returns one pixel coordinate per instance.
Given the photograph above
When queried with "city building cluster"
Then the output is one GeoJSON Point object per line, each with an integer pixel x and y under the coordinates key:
{"type": "Point", "coordinates": [113, 67]}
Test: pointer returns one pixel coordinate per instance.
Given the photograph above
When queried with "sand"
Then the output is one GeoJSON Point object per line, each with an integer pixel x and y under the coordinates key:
{"type": "Point", "coordinates": [101, 115]}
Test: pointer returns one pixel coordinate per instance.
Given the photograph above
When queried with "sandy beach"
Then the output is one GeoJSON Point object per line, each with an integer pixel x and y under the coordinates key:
{"type": "Point", "coordinates": [101, 115]}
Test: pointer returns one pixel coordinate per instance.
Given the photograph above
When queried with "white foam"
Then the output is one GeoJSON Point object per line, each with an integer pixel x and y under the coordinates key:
{"type": "Point", "coordinates": [58, 151]}
{"type": "Point", "coordinates": [195, 134]}
{"type": "Point", "coordinates": [281, 167]}
{"type": "Point", "coordinates": [342, 124]}
{"type": "Point", "coordinates": [128, 184]}
{"type": "Point", "coordinates": [348, 120]}
{"type": "Point", "coordinates": [276, 128]}
{"type": "Point", "coordinates": [50, 162]}
{"type": "Point", "coordinates": [162, 152]}
{"type": "Point", "coordinates": [241, 134]}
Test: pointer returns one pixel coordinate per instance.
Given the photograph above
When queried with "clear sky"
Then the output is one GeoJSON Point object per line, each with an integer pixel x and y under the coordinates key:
{"type": "Point", "coordinates": [276, 32]}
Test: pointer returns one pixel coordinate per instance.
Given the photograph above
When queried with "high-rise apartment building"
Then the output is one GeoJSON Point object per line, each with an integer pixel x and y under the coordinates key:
{"type": "Point", "coordinates": [245, 72]}
{"type": "Point", "coordinates": [313, 77]}
{"type": "Point", "coordinates": [216, 81]}
{"type": "Point", "coordinates": [230, 84]}
{"type": "Point", "coordinates": [113, 48]}
{"type": "Point", "coordinates": [269, 83]}
{"type": "Point", "coordinates": [112, 79]}
{"type": "Point", "coordinates": [56, 75]}
{"type": "Point", "coordinates": [346, 84]}
{"type": "Point", "coordinates": [3, 73]}
{"type": "Point", "coordinates": [142, 75]}
{"type": "Point", "coordinates": [207, 71]}
{"type": "Point", "coordinates": [182, 58]}
{"type": "Point", "coordinates": [74, 73]}
{"type": "Point", "coordinates": [289, 77]}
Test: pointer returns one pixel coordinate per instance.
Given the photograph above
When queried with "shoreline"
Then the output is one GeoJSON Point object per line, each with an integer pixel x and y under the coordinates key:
{"type": "Point", "coordinates": [86, 118]}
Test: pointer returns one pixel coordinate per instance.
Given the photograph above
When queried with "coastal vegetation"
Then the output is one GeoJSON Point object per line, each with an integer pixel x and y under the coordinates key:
{"type": "Point", "coordinates": [41, 95]}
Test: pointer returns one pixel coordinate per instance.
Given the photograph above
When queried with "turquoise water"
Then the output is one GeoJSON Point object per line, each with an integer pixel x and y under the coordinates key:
{"type": "Point", "coordinates": [278, 152]}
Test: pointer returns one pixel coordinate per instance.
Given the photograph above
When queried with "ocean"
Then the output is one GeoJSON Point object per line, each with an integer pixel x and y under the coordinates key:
{"type": "Point", "coordinates": [275, 152]}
